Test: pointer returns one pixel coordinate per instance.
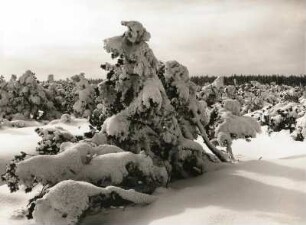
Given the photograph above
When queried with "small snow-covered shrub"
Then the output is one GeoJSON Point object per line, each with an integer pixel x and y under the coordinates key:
{"type": "Point", "coordinates": [238, 126]}
{"type": "Point", "coordinates": [67, 201]}
{"type": "Point", "coordinates": [299, 134]}
{"type": "Point", "coordinates": [25, 98]}
{"type": "Point", "coordinates": [10, 177]}
{"type": "Point", "coordinates": [100, 165]}
{"type": "Point", "coordinates": [4, 98]}
{"type": "Point", "coordinates": [85, 96]}
{"type": "Point", "coordinates": [227, 124]}
{"type": "Point", "coordinates": [52, 138]}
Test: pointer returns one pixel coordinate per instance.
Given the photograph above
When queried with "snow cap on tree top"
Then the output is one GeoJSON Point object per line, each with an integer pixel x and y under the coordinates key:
{"type": "Point", "coordinates": [124, 44]}
{"type": "Point", "coordinates": [136, 32]}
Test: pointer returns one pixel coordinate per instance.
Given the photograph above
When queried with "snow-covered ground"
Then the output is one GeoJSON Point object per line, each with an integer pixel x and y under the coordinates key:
{"type": "Point", "coordinates": [267, 186]}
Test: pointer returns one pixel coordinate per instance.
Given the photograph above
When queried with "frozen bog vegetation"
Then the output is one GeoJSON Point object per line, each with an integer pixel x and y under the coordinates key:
{"type": "Point", "coordinates": [144, 120]}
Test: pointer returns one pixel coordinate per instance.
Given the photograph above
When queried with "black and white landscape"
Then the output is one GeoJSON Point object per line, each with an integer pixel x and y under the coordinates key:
{"type": "Point", "coordinates": [152, 112]}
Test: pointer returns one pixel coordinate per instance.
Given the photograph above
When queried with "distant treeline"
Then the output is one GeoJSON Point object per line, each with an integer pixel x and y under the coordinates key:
{"type": "Point", "coordinates": [292, 80]}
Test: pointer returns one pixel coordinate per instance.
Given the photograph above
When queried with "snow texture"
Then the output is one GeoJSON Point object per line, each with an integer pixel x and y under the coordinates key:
{"type": "Point", "coordinates": [82, 161]}
{"type": "Point", "coordinates": [65, 202]}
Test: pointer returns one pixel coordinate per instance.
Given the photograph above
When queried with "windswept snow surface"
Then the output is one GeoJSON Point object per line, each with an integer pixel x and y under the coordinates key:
{"type": "Point", "coordinates": [267, 186]}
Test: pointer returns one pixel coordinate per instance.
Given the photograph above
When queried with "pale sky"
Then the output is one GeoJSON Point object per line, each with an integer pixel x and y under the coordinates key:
{"type": "Point", "coordinates": [214, 37]}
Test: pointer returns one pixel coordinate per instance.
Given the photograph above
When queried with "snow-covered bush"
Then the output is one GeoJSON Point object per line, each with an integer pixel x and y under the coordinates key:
{"type": "Point", "coordinates": [67, 201]}
{"type": "Point", "coordinates": [10, 177]}
{"type": "Point", "coordinates": [33, 97]}
{"type": "Point", "coordinates": [4, 98]}
{"type": "Point", "coordinates": [299, 134]}
{"type": "Point", "coordinates": [52, 138]}
{"type": "Point", "coordinates": [102, 165]}
{"type": "Point", "coordinates": [27, 98]}
{"type": "Point", "coordinates": [85, 96]}
{"type": "Point", "coordinates": [227, 124]}
{"type": "Point", "coordinates": [60, 96]}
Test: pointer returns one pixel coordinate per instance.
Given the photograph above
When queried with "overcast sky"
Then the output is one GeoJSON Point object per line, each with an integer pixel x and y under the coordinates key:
{"type": "Point", "coordinates": [64, 37]}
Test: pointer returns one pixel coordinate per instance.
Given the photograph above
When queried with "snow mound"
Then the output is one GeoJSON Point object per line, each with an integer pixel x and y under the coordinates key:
{"type": "Point", "coordinates": [114, 167]}
{"type": "Point", "coordinates": [66, 201]}
{"type": "Point", "coordinates": [65, 118]}
{"type": "Point", "coordinates": [82, 161]}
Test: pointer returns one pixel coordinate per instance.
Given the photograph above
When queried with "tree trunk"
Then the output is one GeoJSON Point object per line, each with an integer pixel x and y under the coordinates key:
{"type": "Point", "coordinates": [222, 156]}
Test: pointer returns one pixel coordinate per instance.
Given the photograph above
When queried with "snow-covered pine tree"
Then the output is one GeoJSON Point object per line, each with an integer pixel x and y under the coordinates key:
{"type": "Point", "coordinates": [150, 120]}
{"type": "Point", "coordinates": [85, 96]}
{"type": "Point", "coordinates": [140, 113]}
{"type": "Point", "coordinates": [4, 98]}
{"type": "Point", "coordinates": [26, 97]}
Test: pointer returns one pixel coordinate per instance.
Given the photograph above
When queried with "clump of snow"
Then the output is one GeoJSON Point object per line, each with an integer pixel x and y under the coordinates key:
{"type": "Point", "coordinates": [52, 138]}
{"type": "Point", "coordinates": [54, 133]}
{"type": "Point", "coordinates": [82, 161]}
{"type": "Point", "coordinates": [178, 76]}
{"type": "Point", "coordinates": [66, 201]}
{"type": "Point", "coordinates": [135, 34]}
{"type": "Point", "coordinates": [53, 168]}
{"type": "Point", "coordinates": [65, 118]}
{"type": "Point", "coordinates": [117, 126]}
{"type": "Point", "coordinates": [152, 93]}
{"type": "Point", "coordinates": [99, 138]}
{"type": "Point", "coordinates": [301, 123]}
{"type": "Point", "coordinates": [224, 138]}
{"type": "Point", "coordinates": [106, 149]}
{"type": "Point", "coordinates": [233, 106]}
{"type": "Point", "coordinates": [300, 129]}
{"type": "Point", "coordinates": [239, 126]}
{"type": "Point", "coordinates": [114, 167]}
